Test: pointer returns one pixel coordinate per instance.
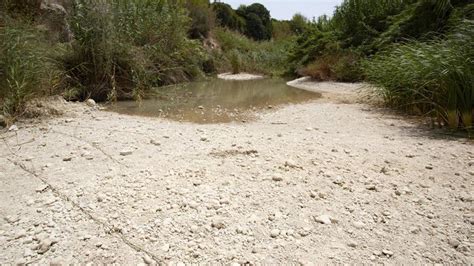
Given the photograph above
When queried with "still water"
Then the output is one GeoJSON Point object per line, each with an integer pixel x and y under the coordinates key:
{"type": "Point", "coordinates": [215, 101]}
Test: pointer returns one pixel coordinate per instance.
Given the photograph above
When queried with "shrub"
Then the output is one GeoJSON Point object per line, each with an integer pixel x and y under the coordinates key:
{"type": "Point", "coordinates": [434, 78]}
{"type": "Point", "coordinates": [235, 61]}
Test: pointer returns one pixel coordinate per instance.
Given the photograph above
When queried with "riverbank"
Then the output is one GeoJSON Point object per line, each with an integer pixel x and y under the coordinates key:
{"type": "Point", "coordinates": [316, 182]}
{"type": "Point", "coordinates": [239, 76]}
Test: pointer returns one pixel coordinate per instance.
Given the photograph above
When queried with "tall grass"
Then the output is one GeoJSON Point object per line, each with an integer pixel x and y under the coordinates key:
{"type": "Point", "coordinates": [266, 57]}
{"type": "Point", "coordinates": [122, 48]}
{"type": "Point", "coordinates": [433, 78]}
{"type": "Point", "coordinates": [24, 68]}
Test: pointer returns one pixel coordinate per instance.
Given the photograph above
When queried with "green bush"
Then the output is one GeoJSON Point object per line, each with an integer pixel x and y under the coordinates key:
{"type": "Point", "coordinates": [431, 78]}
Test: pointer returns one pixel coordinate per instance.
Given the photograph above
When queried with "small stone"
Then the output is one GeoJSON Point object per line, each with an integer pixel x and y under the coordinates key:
{"type": "Point", "coordinates": [13, 128]}
{"type": "Point", "coordinates": [45, 245]}
{"type": "Point", "coordinates": [359, 225]}
{"type": "Point", "coordinates": [147, 259]}
{"type": "Point", "coordinates": [201, 107]}
{"type": "Point", "coordinates": [322, 195]}
{"type": "Point", "coordinates": [352, 244]}
{"type": "Point", "coordinates": [415, 230]}
{"type": "Point", "coordinates": [338, 180]}
{"type": "Point", "coordinates": [126, 152]}
{"type": "Point", "coordinates": [454, 243]}
{"type": "Point", "coordinates": [305, 232]}
{"type": "Point", "coordinates": [100, 198]}
{"type": "Point", "coordinates": [371, 188]}
{"type": "Point", "coordinates": [20, 234]}
{"type": "Point", "coordinates": [154, 142]}
{"type": "Point", "coordinates": [67, 159]}
{"type": "Point", "coordinates": [274, 233]}
{"type": "Point", "coordinates": [323, 219]}
{"type": "Point", "coordinates": [218, 225]}
{"type": "Point", "coordinates": [429, 167]}
{"type": "Point", "coordinates": [387, 253]}
{"type": "Point", "coordinates": [277, 178]}
{"type": "Point", "coordinates": [291, 164]}
{"type": "Point", "coordinates": [91, 102]}
{"type": "Point", "coordinates": [204, 139]}
{"type": "Point", "coordinates": [12, 219]}
{"type": "Point", "coordinates": [165, 247]}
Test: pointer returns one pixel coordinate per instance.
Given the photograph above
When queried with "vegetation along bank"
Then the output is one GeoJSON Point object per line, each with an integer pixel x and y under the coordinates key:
{"type": "Point", "coordinates": [417, 53]}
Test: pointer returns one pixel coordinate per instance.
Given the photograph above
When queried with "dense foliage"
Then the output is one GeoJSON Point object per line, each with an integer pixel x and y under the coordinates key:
{"type": "Point", "coordinates": [254, 20]}
{"type": "Point", "coordinates": [418, 53]}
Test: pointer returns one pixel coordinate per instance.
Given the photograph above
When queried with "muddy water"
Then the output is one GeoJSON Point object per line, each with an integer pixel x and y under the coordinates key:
{"type": "Point", "coordinates": [215, 101]}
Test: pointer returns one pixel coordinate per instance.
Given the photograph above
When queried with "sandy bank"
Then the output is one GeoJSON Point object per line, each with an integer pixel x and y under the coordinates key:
{"type": "Point", "coordinates": [240, 76]}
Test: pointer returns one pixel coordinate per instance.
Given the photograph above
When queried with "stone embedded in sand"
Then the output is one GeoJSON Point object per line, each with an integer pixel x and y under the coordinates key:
{"type": "Point", "coordinates": [126, 152]}
{"type": "Point", "coordinates": [20, 234]}
{"type": "Point", "coordinates": [274, 233]}
{"type": "Point", "coordinates": [218, 225]}
{"type": "Point", "coordinates": [359, 225]}
{"type": "Point", "coordinates": [45, 245]}
{"type": "Point", "coordinates": [323, 219]}
{"type": "Point", "coordinates": [371, 187]}
{"type": "Point", "coordinates": [352, 244]}
{"type": "Point", "coordinates": [147, 259]}
{"type": "Point", "coordinates": [387, 252]}
{"type": "Point", "coordinates": [277, 178]}
{"type": "Point", "coordinates": [154, 142]}
{"type": "Point", "coordinates": [292, 164]}
{"type": "Point", "coordinates": [12, 219]}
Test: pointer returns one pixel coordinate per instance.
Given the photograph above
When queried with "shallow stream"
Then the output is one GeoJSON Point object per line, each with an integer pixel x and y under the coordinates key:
{"type": "Point", "coordinates": [215, 101]}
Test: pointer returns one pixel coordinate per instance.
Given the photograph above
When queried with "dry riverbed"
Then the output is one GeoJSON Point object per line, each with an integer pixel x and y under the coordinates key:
{"type": "Point", "coordinates": [320, 182]}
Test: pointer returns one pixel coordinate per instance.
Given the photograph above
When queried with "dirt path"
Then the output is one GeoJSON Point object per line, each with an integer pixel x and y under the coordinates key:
{"type": "Point", "coordinates": [320, 182]}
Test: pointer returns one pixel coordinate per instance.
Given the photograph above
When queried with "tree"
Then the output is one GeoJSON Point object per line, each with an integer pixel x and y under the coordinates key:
{"type": "Point", "coordinates": [258, 21]}
{"type": "Point", "coordinates": [227, 17]}
{"type": "Point", "coordinates": [298, 23]}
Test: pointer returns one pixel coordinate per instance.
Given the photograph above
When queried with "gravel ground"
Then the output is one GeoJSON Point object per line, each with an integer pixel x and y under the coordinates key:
{"type": "Point", "coordinates": [321, 182]}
